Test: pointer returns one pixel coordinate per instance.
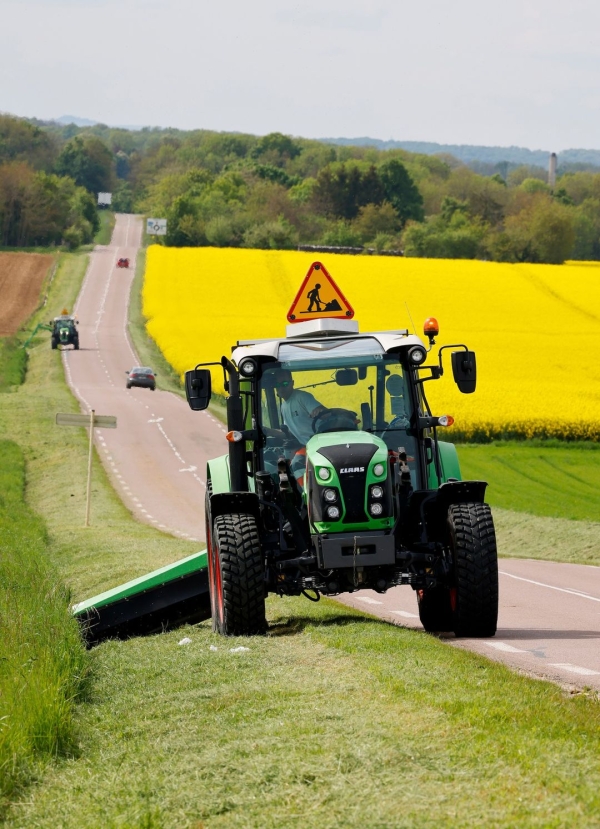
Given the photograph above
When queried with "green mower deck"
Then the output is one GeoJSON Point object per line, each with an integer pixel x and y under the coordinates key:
{"type": "Point", "coordinates": [164, 599]}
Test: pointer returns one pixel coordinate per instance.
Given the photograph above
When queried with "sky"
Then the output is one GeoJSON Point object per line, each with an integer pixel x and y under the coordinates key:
{"type": "Point", "coordinates": [517, 72]}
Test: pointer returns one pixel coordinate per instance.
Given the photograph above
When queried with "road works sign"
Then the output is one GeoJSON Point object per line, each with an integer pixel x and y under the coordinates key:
{"type": "Point", "coordinates": [156, 227]}
{"type": "Point", "coordinates": [319, 298]}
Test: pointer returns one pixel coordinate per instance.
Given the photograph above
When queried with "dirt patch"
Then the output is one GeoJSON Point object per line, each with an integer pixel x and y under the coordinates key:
{"type": "Point", "coordinates": [21, 278]}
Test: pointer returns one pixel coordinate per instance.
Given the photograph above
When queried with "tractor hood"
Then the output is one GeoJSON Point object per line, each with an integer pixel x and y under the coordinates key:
{"type": "Point", "coordinates": [353, 467]}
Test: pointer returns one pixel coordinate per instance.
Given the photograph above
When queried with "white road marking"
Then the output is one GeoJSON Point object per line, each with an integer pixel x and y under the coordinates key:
{"type": "Point", "coordinates": [574, 669]}
{"type": "Point", "coordinates": [552, 587]}
{"type": "Point", "coordinates": [368, 600]}
{"type": "Point", "coordinates": [156, 420]}
{"type": "Point", "coordinates": [189, 469]}
{"type": "Point", "coordinates": [406, 614]}
{"type": "Point", "coordinates": [502, 646]}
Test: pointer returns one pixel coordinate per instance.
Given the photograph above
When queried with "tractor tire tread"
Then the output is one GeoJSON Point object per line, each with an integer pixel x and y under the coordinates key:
{"type": "Point", "coordinates": [242, 574]}
{"type": "Point", "coordinates": [476, 569]}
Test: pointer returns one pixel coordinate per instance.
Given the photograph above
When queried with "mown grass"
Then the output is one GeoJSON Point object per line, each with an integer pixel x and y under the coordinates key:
{"type": "Point", "coordinates": [43, 664]}
{"type": "Point", "coordinates": [333, 720]}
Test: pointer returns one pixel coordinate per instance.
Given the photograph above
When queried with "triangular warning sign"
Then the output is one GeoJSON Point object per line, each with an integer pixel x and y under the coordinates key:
{"type": "Point", "coordinates": [319, 298]}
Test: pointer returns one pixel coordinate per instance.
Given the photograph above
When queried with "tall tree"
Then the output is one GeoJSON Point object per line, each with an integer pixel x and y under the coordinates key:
{"type": "Point", "coordinates": [89, 162]}
{"type": "Point", "coordinates": [400, 191]}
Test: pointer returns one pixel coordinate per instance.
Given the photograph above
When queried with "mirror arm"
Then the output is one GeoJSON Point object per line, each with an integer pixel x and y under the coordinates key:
{"type": "Point", "coordinates": [458, 345]}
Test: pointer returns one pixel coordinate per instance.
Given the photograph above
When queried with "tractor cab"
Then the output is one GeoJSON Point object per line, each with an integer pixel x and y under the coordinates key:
{"type": "Point", "coordinates": [336, 479]}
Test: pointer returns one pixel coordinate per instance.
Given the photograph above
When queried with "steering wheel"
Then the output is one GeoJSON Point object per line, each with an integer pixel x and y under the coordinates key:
{"type": "Point", "coordinates": [399, 422]}
{"type": "Point", "coordinates": [334, 420]}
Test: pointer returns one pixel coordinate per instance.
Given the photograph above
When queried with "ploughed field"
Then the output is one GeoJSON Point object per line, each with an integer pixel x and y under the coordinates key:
{"type": "Point", "coordinates": [21, 278]}
{"type": "Point", "coordinates": [535, 328]}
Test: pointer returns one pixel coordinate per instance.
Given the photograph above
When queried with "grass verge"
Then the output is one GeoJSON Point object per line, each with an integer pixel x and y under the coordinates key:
{"type": "Point", "coordinates": [333, 720]}
{"type": "Point", "coordinates": [43, 664]}
{"type": "Point", "coordinates": [13, 363]}
{"type": "Point", "coordinates": [107, 222]}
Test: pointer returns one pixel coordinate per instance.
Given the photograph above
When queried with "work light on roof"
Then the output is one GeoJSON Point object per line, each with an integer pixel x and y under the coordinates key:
{"type": "Point", "coordinates": [248, 368]}
{"type": "Point", "coordinates": [416, 355]}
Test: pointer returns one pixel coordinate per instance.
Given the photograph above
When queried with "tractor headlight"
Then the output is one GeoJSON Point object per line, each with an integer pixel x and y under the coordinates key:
{"type": "Point", "coordinates": [333, 513]}
{"type": "Point", "coordinates": [330, 495]}
{"type": "Point", "coordinates": [376, 492]}
{"type": "Point", "coordinates": [378, 469]}
{"type": "Point", "coordinates": [323, 473]}
{"type": "Point", "coordinates": [376, 509]}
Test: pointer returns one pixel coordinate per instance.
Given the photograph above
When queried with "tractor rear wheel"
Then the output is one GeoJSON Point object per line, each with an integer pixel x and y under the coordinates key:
{"type": "Point", "coordinates": [236, 576]}
{"type": "Point", "coordinates": [54, 342]}
{"type": "Point", "coordinates": [435, 609]}
{"type": "Point", "coordinates": [474, 598]}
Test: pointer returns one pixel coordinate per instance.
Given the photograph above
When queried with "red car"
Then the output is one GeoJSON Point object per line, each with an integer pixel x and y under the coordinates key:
{"type": "Point", "coordinates": [123, 263]}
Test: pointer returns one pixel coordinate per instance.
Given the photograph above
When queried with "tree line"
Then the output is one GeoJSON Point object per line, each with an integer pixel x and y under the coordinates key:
{"type": "Point", "coordinates": [275, 191]}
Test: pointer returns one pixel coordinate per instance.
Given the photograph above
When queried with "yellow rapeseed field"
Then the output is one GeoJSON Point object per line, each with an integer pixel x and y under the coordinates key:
{"type": "Point", "coordinates": [535, 328]}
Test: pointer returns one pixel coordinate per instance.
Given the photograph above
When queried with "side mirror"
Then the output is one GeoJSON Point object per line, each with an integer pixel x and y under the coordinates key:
{"type": "Point", "coordinates": [464, 369]}
{"type": "Point", "coordinates": [346, 377]}
{"type": "Point", "coordinates": [197, 388]}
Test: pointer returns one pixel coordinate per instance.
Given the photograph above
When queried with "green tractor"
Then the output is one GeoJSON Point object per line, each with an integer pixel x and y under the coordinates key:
{"type": "Point", "coordinates": [64, 331]}
{"type": "Point", "coordinates": [336, 479]}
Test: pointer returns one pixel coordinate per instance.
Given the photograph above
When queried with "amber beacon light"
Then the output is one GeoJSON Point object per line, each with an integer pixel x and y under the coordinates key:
{"type": "Point", "coordinates": [431, 329]}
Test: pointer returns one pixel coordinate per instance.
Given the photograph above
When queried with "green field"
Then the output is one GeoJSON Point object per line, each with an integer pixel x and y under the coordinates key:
{"type": "Point", "coordinates": [548, 479]}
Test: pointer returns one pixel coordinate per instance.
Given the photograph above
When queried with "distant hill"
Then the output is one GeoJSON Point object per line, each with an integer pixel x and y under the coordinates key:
{"type": "Point", "coordinates": [86, 122]}
{"type": "Point", "coordinates": [74, 119]}
{"type": "Point", "coordinates": [469, 153]}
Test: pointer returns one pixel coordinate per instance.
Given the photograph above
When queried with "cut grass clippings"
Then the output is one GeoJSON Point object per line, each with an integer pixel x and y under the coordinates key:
{"type": "Point", "coordinates": [333, 720]}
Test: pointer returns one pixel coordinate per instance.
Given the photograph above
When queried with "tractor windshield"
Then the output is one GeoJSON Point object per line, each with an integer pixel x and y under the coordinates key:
{"type": "Point", "coordinates": [327, 386]}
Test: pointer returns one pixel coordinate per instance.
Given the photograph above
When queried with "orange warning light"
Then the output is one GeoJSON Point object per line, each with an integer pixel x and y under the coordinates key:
{"type": "Point", "coordinates": [319, 297]}
{"type": "Point", "coordinates": [431, 327]}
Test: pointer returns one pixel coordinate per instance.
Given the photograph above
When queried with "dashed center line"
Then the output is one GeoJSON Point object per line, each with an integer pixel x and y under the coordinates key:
{"type": "Point", "coordinates": [502, 646]}
{"type": "Point", "coordinates": [368, 600]}
{"type": "Point", "coordinates": [574, 669]}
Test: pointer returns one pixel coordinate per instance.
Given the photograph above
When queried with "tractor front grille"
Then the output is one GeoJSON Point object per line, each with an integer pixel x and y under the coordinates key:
{"type": "Point", "coordinates": [357, 457]}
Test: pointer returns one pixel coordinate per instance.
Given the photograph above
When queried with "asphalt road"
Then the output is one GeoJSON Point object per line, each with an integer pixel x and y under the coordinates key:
{"type": "Point", "coordinates": [549, 623]}
{"type": "Point", "coordinates": [156, 457]}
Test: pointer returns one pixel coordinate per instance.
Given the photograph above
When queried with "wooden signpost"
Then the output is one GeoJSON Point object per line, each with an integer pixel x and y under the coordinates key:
{"type": "Point", "coordinates": [92, 420]}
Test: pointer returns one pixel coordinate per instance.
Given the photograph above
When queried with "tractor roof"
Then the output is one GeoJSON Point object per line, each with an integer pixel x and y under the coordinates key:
{"type": "Point", "coordinates": [326, 330]}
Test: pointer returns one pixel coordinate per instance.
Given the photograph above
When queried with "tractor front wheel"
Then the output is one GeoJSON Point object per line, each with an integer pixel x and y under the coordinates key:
{"type": "Point", "coordinates": [236, 575]}
{"type": "Point", "coordinates": [474, 598]}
